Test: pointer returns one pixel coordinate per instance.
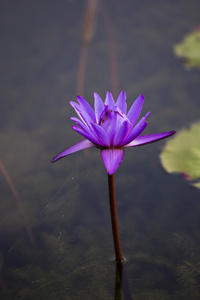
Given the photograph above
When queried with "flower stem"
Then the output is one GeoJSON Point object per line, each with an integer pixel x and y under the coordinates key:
{"type": "Point", "coordinates": [114, 219]}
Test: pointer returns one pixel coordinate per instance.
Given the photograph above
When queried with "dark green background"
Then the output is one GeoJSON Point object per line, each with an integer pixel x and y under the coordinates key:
{"type": "Point", "coordinates": [66, 203]}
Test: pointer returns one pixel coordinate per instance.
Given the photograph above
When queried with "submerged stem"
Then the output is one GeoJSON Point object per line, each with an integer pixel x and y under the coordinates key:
{"type": "Point", "coordinates": [114, 219]}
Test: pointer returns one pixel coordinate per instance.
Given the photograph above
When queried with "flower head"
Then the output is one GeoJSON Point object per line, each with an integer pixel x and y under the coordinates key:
{"type": "Point", "coordinates": [110, 128]}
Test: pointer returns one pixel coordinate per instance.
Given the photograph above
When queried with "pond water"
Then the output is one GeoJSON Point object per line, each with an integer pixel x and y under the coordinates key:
{"type": "Point", "coordinates": [55, 231]}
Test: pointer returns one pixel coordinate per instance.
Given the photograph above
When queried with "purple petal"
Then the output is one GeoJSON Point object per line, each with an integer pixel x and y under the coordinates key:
{"type": "Point", "coordinates": [121, 102]}
{"type": "Point", "coordinates": [87, 128]}
{"type": "Point", "coordinates": [98, 107]}
{"type": "Point", "coordinates": [137, 130]}
{"type": "Point", "coordinates": [89, 136]}
{"type": "Point", "coordinates": [110, 101]}
{"type": "Point", "coordinates": [79, 123]}
{"type": "Point", "coordinates": [112, 158]}
{"type": "Point", "coordinates": [112, 128]}
{"type": "Point", "coordinates": [83, 115]}
{"type": "Point", "coordinates": [135, 110]}
{"type": "Point", "coordinates": [86, 107]}
{"type": "Point", "coordinates": [76, 147]}
{"type": "Point", "coordinates": [121, 133]}
{"type": "Point", "coordinates": [146, 139]}
{"type": "Point", "coordinates": [101, 135]}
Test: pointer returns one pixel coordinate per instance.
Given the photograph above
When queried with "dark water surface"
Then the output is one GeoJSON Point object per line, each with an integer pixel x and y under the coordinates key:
{"type": "Point", "coordinates": [55, 230]}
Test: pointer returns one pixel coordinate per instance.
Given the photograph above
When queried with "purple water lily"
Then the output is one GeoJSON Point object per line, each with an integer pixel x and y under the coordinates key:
{"type": "Point", "coordinates": [110, 128]}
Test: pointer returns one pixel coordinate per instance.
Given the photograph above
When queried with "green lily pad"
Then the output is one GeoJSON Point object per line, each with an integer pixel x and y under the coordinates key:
{"type": "Point", "coordinates": [189, 49]}
{"type": "Point", "coordinates": [182, 154]}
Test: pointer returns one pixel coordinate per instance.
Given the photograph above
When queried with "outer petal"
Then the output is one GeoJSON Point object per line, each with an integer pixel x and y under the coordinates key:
{"type": "Point", "coordinates": [134, 111]}
{"type": "Point", "coordinates": [88, 129]}
{"type": "Point", "coordinates": [81, 125]}
{"type": "Point", "coordinates": [86, 107]}
{"type": "Point", "coordinates": [146, 139]}
{"type": "Point", "coordinates": [76, 147]}
{"type": "Point", "coordinates": [136, 131]}
{"type": "Point", "coordinates": [112, 158]}
{"type": "Point", "coordinates": [83, 115]}
{"type": "Point", "coordinates": [121, 102]}
{"type": "Point", "coordinates": [88, 136]}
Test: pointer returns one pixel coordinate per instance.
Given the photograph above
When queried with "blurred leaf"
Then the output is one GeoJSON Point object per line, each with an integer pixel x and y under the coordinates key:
{"type": "Point", "coordinates": [182, 154]}
{"type": "Point", "coordinates": [189, 49]}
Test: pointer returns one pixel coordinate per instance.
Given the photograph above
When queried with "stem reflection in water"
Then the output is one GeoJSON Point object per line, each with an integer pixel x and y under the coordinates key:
{"type": "Point", "coordinates": [121, 283]}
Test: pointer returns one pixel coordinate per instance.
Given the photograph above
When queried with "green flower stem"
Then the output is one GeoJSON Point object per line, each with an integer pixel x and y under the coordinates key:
{"type": "Point", "coordinates": [114, 219]}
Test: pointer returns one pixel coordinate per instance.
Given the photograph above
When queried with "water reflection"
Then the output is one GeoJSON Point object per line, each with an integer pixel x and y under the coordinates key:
{"type": "Point", "coordinates": [88, 30]}
{"type": "Point", "coordinates": [18, 201]}
{"type": "Point", "coordinates": [121, 283]}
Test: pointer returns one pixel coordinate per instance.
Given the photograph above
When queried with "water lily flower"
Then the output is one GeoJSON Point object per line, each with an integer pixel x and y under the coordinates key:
{"type": "Point", "coordinates": [110, 128]}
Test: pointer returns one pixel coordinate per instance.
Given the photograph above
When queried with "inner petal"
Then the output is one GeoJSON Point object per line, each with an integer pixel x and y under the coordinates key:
{"type": "Point", "coordinates": [98, 107]}
{"type": "Point", "coordinates": [121, 102]}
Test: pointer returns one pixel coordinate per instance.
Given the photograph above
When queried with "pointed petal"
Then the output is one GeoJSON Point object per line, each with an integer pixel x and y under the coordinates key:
{"type": "Point", "coordinates": [83, 115]}
{"type": "Point", "coordinates": [86, 107]}
{"type": "Point", "coordinates": [101, 135]}
{"type": "Point", "coordinates": [79, 123]}
{"type": "Point", "coordinates": [110, 101]}
{"type": "Point", "coordinates": [134, 111]}
{"type": "Point", "coordinates": [76, 147]}
{"type": "Point", "coordinates": [136, 131]}
{"type": "Point", "coordinates": [112, 128]}
{"type": "Point", "coordinates": [121, 102]}
{"type": "Point", "coordinates": [121, 133]}
{"type": "Point", "coordinates": [112, 158]}
{"type": "Point", "coordinates": [87, 128]}
{"type": "Point", "coordinates": [98, 107]}
{"type": "Point", "coordinates": [146, 139]}
{"type": "Point", "coordinates": [88, 136]}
